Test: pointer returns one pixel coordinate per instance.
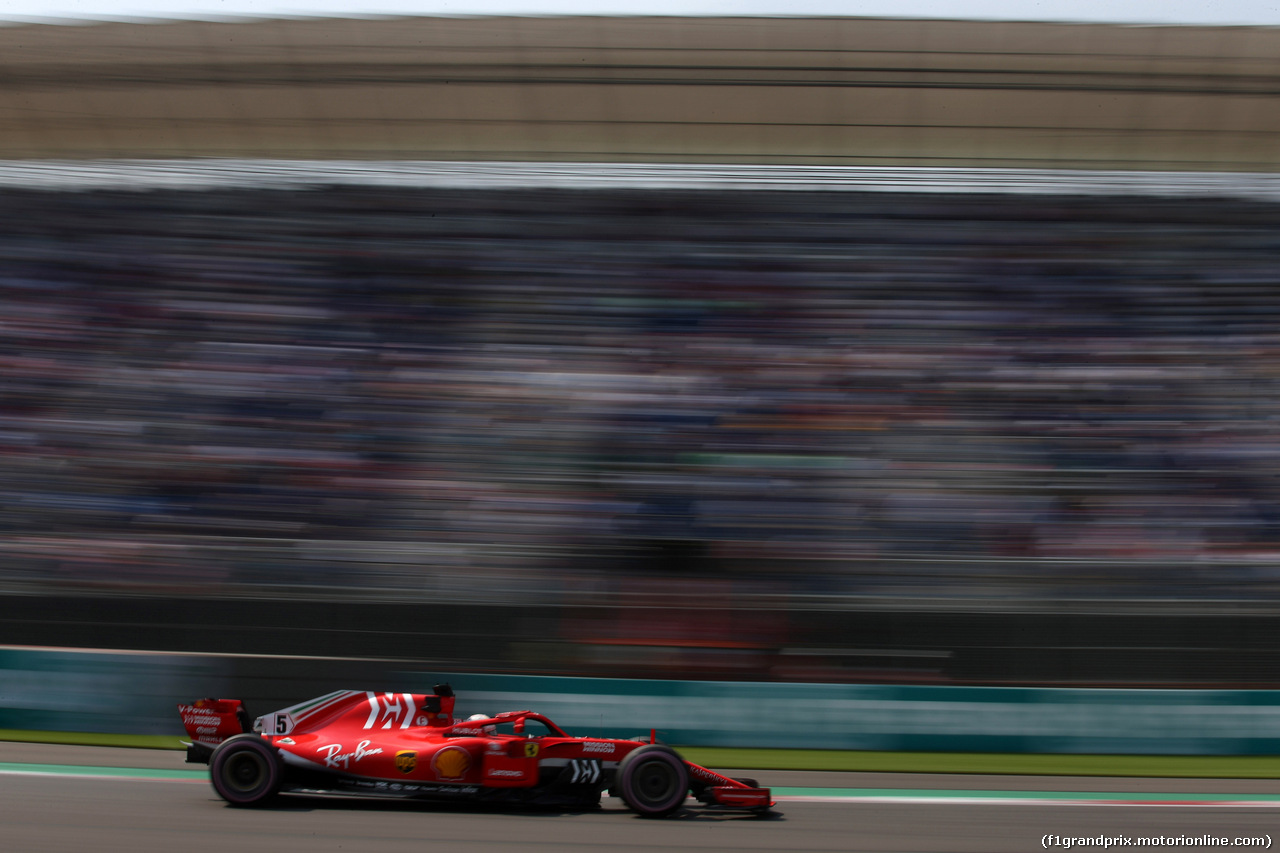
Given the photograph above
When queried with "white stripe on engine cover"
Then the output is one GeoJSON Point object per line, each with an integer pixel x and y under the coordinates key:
{"type": "Point", "coordinates": [564, 762]}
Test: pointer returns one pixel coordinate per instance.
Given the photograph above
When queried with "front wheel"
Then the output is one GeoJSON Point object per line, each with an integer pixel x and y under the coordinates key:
{"type": "Point", "coordinates": [245, 770]}
{"type": "Point", "coordinates": [652, 780]}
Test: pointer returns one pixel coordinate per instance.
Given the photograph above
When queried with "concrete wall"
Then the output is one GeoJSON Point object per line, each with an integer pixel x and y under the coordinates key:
{"type": "Point", "coordinates": [732, 90]}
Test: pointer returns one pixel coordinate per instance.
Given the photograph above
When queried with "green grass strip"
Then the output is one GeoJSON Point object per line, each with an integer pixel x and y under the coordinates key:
{"type": "Point", "coordinates": [103, 772]}
{"type": "Point", "coordinates": [1069, 796]}
{"type": "Point", "coordinates": [1166, 766]}
{"type": "Point", "coordinates": [93, 739]}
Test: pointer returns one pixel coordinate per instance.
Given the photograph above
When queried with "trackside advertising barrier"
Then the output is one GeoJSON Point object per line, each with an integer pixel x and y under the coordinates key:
{"type": "Point", "coordinates": [136, 693]}
{"type": "Point", "coordinates": [908, 718]}
{"type": "Point", "coordinates": [110, 692]}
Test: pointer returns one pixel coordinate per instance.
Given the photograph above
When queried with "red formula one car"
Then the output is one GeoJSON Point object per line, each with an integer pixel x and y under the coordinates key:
{"type": "Point", "coordinates": [410, 745]}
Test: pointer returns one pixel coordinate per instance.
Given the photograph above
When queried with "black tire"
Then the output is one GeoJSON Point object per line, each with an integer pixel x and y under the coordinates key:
{"type": "Point", "coordinates": [245, 770]}
{"type": "Point", "coordinates": [749, 782]}
{"type": "Point", "coordinates": [652, 780]}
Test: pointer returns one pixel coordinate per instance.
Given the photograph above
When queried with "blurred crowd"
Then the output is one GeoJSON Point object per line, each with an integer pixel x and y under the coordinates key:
{"type": "Point", "coordinates": [538, 394]}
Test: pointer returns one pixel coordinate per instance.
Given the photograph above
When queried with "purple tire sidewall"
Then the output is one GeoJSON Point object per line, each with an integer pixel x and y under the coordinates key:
{"type": "Point", "coordinates": [219, 762]}
{"type": "Point", "coordinates": [626, 784]}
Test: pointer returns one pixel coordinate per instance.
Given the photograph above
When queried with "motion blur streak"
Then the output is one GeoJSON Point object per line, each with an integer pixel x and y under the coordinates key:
{"type": "Point", "coordinates": [472, 314]}
{"type": "Point", "coordinates": [226, 173]}
{"type": "Point", "coordinates": [834, 91]}
{"type": "Point", "coordinates": [843, 394]}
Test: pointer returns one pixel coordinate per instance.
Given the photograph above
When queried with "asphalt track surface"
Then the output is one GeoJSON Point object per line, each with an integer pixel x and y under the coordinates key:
{"type": "Point", "coordinates": [59, 798]}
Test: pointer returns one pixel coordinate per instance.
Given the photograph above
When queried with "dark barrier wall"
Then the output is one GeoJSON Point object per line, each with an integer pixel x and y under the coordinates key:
{"type": "Point", "coordinates": [872, 646]}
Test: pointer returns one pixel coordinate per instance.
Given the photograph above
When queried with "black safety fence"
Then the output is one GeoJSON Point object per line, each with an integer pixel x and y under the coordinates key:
{"type": "Point", "coordinates": [1157, 646]}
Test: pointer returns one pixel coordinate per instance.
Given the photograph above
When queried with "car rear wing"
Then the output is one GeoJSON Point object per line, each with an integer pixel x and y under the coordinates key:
{"type": "Point", "coordinates": [211, 721]}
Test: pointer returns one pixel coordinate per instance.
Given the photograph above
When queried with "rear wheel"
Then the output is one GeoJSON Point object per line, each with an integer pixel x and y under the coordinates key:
{"type": "Point", "coordinates": [652, 780]}
{"type": "Point", "coordinates": [245, 770]}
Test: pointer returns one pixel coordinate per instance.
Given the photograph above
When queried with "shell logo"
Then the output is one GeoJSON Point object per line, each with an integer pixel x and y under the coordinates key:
{"type": "Point", "coordinates": [451, 763]}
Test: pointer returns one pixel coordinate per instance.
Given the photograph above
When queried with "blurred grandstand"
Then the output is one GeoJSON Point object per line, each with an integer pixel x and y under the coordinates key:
{"type": "Point", "coordinates": [540, 394]}
{"type": "Point", "coordinates": [768, 399]}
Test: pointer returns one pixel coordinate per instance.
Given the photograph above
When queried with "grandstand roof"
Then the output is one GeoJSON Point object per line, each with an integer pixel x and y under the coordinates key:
{"type": "Point", "coordinates": [837, 91]}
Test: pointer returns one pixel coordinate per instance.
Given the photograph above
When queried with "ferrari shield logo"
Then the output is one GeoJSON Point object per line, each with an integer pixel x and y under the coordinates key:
{"type": "Point", "coordinates": [406, 760]}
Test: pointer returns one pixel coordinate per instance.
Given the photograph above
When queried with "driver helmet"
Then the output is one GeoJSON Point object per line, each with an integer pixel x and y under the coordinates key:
{"type": "Point", "coordinates": [487, 729]}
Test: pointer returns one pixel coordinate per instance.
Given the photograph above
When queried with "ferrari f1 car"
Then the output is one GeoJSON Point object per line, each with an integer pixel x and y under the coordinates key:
{"type": "Point", "coordinates": [411, 746]}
